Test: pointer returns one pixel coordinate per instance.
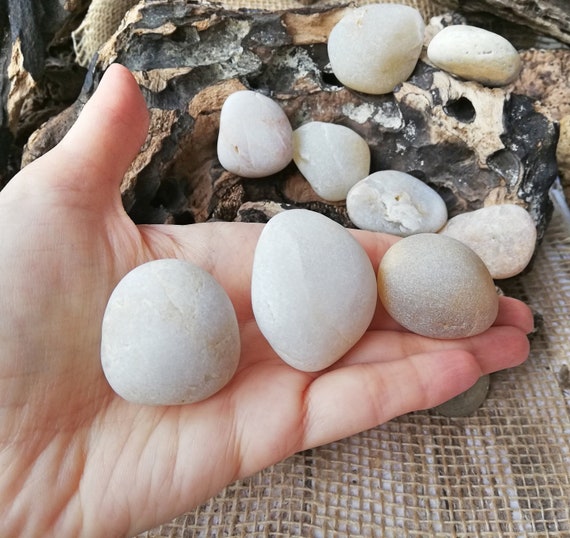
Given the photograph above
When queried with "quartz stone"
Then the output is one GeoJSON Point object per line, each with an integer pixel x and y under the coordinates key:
{"type": "Point", "coordinates": [475, 54]}
{"type": "Point", "coordinates": [169, 335]}
{"type": "Point", "coordinates": [313, 289]}
{"type": "Point", "coordinates": [255, 136]}
{"type": "Point", "coordinates": [375, 47]}
{"type": "Point", "coordinates": [504, 236]}
{"type": "Point", "coordinates": [397, 203]}
{"type": "Point", "coordinates": [436, 286]}
{"type": "Point", "coordinates": [331, 157]}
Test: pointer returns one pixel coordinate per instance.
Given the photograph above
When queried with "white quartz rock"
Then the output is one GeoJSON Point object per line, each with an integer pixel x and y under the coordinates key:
{"type": "Point", "coordinates": [313, 289]}
{"type": "Point", "coordinates": [169, 335]}
{"type": "Point", "coordinates": [504, 237]}
{"type": "Point", "coordinates": [397, 203]}
{"type": "Point", "coordinates": [375, 47]}
{"type": "Point", "coordinates": [255, 136]}
{"type": "Point", "coordinates": [475, 54]}
{"type": "Point", "coordinates": [331, 157]}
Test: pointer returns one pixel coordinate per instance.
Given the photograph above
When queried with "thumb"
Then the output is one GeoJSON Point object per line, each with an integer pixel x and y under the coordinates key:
{"type": "Point", "coordinates": [94, 155]}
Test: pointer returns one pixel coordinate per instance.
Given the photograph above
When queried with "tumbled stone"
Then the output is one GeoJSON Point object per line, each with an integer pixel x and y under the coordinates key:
{"type": "Point", "coordinates": [504, 237]}
{"type": "Point", "coordinates": [255, 136]}
{"type": "Point", "coordinates": [331, 157]}
{"type": "Point", "coordinates": [436, 286]}
{"type": "Point", "coordinates": [397, 203]}
{"type": "Point", "coordinates": [475, 54]}
{"type": "Point", "coordinates": [375, 47]}
{"type": "Point", "coordinates": [313, 289]}
{"type": "Point", "coordinates": [169, 335]}
{"type": "Point", "coordinates": [468, 401]}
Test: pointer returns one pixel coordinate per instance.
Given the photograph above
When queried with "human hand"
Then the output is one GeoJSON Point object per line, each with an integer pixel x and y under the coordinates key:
{"type": "Point", "coordinates": [76, 459]}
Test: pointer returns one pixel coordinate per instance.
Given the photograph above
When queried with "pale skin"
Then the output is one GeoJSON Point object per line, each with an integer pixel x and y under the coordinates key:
{"type": "Point", "coordinates": [76, 459]}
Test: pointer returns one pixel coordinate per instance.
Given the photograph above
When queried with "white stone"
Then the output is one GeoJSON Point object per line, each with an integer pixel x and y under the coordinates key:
{"type": "Point", "coordinates": [394, 202]}
{"type": "Point", "coordinates": [436, 286]}
{"type": "Point", "coordinates": [504, 237]}
{"type": "Point", "coordinates": [255, 136]}
{"type": "Point", "coordinates": [331, 157]}
{"type": "Point", "coordinates": [313, 289]}
{"type": "Point", "coordinates": [169, 335]}
{"type": "Point", "coordinates": [375, 47]}
{"type": "Point", "coordinates": [475, 54]}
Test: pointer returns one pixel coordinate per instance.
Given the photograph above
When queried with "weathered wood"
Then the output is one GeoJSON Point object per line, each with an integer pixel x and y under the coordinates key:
{"type": "Point", "coordinates": [550, 17]}
{"type": "Point", "coordinates": [474, 145]}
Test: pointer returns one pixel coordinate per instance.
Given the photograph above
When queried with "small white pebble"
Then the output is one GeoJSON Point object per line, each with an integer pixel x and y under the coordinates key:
{"type": "Point", "coordinates": [331, 157]}
{"type": "Point", "coordinates": [255, 136]}
{"type": "Point", "coordinates": [394, 202]}
{"type": "Point", "coordinates": [375, 47]}
{"type": "Point", "coordinates": [475, 54]}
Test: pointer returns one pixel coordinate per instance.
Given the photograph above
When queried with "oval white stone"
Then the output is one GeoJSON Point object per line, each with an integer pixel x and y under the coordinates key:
{"type": "Point", "coordinates": [331, 157]}
{"type": "Point", "coordinates": [255, 136]}
{"type": "Point", "coordinates": [394, 202]}
{"type": "Point", "coordinates": [169, 335]}
{"type": "Point", "coordinates": [436, 286]}
{"type": "Point", "coordinates": [504, 237]}
{"type": "Point", "coordinates": [475, 54]}
{"type": "Point", "coordinates": [375, 47]}
{"type": "Point", "coordinates": [313, 289]}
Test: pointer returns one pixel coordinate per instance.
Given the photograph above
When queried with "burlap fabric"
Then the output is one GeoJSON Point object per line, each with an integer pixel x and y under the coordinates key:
{"type": "Point", "coordinates": [502, 472]}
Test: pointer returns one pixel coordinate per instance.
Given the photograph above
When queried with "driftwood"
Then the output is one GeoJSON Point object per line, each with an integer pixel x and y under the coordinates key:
{"type": "Point", "coordinates": [474, 145]}
{"type": "Point", "coordinates": [549, 17]}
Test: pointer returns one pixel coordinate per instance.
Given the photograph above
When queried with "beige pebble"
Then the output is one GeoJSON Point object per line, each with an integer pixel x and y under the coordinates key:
{"type": "Point", "coordinates": [331, 157]}
{"type": "Point", "coordinates": [475, 54]}
{"type": "Point", "coordinates": [375, 47]}
{"type": "Point", "coordinates": [436, 286]}
{"type": "Point", "coordinates": [504, 236]}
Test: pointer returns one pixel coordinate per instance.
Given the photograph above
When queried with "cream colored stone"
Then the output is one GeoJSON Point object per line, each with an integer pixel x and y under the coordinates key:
{"type": "Point", "coordinates": [255, 136]}
{"type": "Point", "coordinates": [504, 237]}
{"type": "Point", "coordinates": [313, 289]}
{"type": "Point", "coordinates": [375, 47]}
{"type": "Point", "coordinates": [475, 54]}
{"type": "Point", "coordinates": [169, 335]}
{"type": "Point", "coordinates": [394, 202]}
{"type": "Point", "coordinates": [331, 157]}
{"type": "Point", "coordinates": [436, 286]}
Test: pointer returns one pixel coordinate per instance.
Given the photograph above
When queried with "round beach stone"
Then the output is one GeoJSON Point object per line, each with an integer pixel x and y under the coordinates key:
{"type": "Point", "coordinates": [397, 203]}
{"type": "Point", "coordinates": [331, 157]}
{"type": "Point", "coordinates": [375, 47]}
{"type": "Point", "coordinates": [169, 335]}
{"type": "Point", "coordinates": [475, 54]}
{"type": "Point", "coordinates": [436, 286]}
{"type": "Point", "coordinates": [467, 402]}
{"type": "Point", "coordinates": [313, 289]}
{"type": "Point", "coordinates": [255, 136]}
{"type": "Point", "coordinates": [504, 237]}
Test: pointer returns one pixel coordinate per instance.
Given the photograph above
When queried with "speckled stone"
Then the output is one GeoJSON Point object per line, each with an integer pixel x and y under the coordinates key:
{"type": "Point", "coordinates": [504, 236]}
{"type": "Point", "coordinates": [255, 136]}
{"type": "Point", "coordinates": [397, 203]}
{"type": "Point", "coordinates": [436, 286]}
{"type": "Point", "coordinates": [475, 54]}
{"type": "Point", "coordinates": [375, 47]}
{"type": "Point", "coordinates": [313, 289]}
{"type": "Point", "coordinates": [331, 157]}
{"type": "Point", "coordinates": [169, 335]}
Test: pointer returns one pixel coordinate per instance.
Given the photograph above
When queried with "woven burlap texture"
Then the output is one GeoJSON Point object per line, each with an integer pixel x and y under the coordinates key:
{"type": "Point", "coordinates": [101, 21]}
{"type": "Point", "coordinates": [502, 472]}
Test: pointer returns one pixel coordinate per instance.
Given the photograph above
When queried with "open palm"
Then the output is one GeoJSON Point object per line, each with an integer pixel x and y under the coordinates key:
{"type": "Point", "coordinates": [75, 459]}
